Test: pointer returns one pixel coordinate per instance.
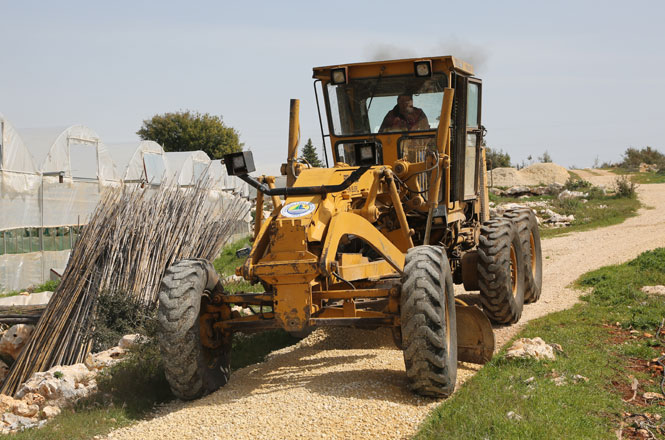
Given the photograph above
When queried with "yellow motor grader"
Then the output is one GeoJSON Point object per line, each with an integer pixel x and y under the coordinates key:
{"type": "Point", "coordinates": [376, 240]}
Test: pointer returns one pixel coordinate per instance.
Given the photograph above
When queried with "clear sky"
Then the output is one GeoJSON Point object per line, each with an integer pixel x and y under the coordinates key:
{"type": "Point", "coordinates": [582, 80]}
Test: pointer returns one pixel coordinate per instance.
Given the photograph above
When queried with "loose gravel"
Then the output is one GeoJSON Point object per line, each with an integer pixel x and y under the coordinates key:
{"type": "Point", "coordinates": [350, 384]}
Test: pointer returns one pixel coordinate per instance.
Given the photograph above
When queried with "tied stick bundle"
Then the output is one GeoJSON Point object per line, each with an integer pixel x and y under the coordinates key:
{"type": "Point", "coordinates": [134, 235]}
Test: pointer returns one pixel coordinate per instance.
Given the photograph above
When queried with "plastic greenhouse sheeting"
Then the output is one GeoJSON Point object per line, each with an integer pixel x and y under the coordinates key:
{"type": "Point", "coordinates": [51, 180]}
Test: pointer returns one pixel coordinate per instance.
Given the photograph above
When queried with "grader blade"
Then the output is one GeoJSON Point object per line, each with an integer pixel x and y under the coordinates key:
{"type": "Point", "coordinates": [475, 338]}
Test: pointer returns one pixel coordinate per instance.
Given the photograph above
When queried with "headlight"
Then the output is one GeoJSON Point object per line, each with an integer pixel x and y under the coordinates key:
{"type": "Point", "coordinates": [338, 76]}
{"type": "Point", "coordinates": [239, 163]}
{"type": "Point", "coordinates": [423, 68]}
{"type": "Point", "coordinates": [365, 153]}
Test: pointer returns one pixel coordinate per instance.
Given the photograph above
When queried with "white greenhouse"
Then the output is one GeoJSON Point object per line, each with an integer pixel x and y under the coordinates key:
{"type": "Point", "coordinates": [52, 179]}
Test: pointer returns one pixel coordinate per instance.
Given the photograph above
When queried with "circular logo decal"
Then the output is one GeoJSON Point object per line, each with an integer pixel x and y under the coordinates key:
{"type": "Point", "coordinates": [297, 209]}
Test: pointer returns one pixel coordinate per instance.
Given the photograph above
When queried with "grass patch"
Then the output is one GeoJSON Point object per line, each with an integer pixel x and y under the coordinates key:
{"type": "Point", "coordinates": [641, 178]}
{"type": "Point", "coordinates": [129, 391]}
{"type": "Point", "coordinates": [227, 261]}
{"type": "Point", "coordinates": [574, 175]}
{"type": "Point", "coordinates": [599, 211]}
{"type": "Point", "coordinates": [48, 286]}
{"type": "Point", "coordinates": [647, 178]}
{"type": "Point", "coordinates": [596, 213]}
{"type": "Point", "coordinates": [595, 347]}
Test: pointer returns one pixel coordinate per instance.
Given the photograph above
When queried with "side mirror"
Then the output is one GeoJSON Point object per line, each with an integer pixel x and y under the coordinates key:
{"type": "Point", "coordinates": [239, 163]}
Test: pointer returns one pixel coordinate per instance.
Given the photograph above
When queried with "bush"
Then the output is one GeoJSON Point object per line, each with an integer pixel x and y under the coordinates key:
{"type": "Point", "coordinates": [138, 382]}
{"type": "Point", "coordinates": [577, 184]}
{"type": "Point", "coordinates": [625, 187]}
{"type": "Point", "coordinates": [118, 314]}
{"type": "Point", "coordinates": [633, 157]}
{"type": "Point", "coordinates": [496, 158]}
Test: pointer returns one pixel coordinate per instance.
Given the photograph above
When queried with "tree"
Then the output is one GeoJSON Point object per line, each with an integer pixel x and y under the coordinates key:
{"type": "Point", "coordinates": [310, 155]}
{"type": "Point", "coordinates": [633, 157]}
{"type": "Point", "coordinates": [545, 158]}
{"type": "Point", "coordinates": [496, 158]}
{"type": "Point", "coordinates": [190, 131]}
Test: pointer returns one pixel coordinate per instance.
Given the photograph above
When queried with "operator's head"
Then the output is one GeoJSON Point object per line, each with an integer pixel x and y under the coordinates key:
{"type": "Point", "coordinates": [405, 104]}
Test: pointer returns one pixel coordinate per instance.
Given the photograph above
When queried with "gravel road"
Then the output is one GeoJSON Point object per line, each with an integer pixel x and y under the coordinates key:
{"type": "Point", "coordinates": [351, 384]}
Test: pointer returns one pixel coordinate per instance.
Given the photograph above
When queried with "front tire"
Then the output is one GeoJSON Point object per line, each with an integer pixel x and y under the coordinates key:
{"type": "Point", "coordinates": [501, 269]}
{"type": "Point", "coordinates": [428, 325]}
{"type": "Point", "coordinates": [191, 369]}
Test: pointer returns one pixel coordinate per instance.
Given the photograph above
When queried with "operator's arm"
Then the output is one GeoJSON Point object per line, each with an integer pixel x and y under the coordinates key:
{"type": "Point", "coordinates": [422, 122]}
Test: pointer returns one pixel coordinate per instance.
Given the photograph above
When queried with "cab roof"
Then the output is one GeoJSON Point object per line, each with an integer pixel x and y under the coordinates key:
{"type": "Point", "coordinates": [439, 63]}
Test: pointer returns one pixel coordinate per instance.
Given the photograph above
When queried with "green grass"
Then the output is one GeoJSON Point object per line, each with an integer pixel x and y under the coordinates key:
{"type": "Point", "coordinates": [574, 175]}
{"type": "Point", "coordinates": [594, 347]}
{"type": "Point", "coordinates": [640, 178]}
{"type": "Point", "coordinates": [48, 286]}
{"type": "Point", "coordinates": [588, 215]}
{"type": "Point", "coordinates": [647, 178]}
{"type": "Point", "coordinates": [129, 391]}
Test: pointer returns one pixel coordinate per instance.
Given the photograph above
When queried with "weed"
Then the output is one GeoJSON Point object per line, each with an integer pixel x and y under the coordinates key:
{"type": "Point", "coordinates": [625, 187]}
{"type": "Point", "coordinates": [577, 184]}
{"type": "Point", "coordinates": [118, 314]}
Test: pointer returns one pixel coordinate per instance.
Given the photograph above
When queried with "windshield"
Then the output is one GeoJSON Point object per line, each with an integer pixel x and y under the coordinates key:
{"type": "Point", "coordinates": [386, 104]}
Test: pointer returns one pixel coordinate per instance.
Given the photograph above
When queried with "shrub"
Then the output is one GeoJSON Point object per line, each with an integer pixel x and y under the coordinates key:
{"type": "Point", "coordinates": [633, 157]}
{"type": "Point", "coordinates": [625, 187]}
{"type": "Point", "coordinates": [138, 382]}
{"type": "Point", "coordinates": [577, 184]}
{"type": "Point", "coordinates": [118, 314]}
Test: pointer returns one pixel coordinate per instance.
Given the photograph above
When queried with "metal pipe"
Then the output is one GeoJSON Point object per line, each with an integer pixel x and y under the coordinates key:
{"type": "Point", "coordinates": [294, 135]}
{"type": "Point", "coordinates": [258, 216]}
{"type": "Point", "coordinates": [399, 209]}
{"type": "Point", "coordinates": [443, 146]}
{"type": "Point", "coordinates": [323, 136]}
{"type": "Point", "coordinates": [305, 190]}
{"type": "Point", "coordinates": [276, 201]}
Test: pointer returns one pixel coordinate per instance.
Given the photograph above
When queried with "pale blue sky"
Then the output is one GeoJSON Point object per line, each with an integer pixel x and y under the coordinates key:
{"type": "Point", "coordinates": [579, 79]}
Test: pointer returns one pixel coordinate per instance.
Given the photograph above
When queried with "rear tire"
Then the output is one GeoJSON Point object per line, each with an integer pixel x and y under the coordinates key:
{"type": "Point", "coordinates": [428, 325]}
{"type": "Point", "coordinates": [527, 227]}
{"type": "Point", "coordinates": [191, 369]}
{"type": "Point", "coordinates": [501, 269]}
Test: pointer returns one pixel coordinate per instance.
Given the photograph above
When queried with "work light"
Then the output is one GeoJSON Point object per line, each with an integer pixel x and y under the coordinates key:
{"type": "Point", "coordinates": [239, 163]}
{"type": "Point", "coordinates": [365, 153]}
{"type": "Point", "coordinates": [423, 68]}
{"type": "Point", "coordinates": [338, 76]}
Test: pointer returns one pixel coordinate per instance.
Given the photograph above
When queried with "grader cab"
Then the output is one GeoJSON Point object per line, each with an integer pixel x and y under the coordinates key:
{"type": "Point", "coordinates": [378, 239]}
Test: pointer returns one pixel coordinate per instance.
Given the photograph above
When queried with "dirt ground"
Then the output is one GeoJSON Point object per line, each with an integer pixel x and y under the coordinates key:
{"type": "Point", "coordinates": [351, 384]}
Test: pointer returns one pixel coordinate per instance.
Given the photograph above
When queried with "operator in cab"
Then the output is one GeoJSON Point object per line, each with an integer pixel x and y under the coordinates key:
{"type": "Point", "coordinates": [404, 117]}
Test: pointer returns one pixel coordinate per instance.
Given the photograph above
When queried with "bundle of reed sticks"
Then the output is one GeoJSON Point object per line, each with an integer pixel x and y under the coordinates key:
{"type": "Point", "coordinates": [21, 314]}
{"type": "Point", "coordinates": [133, 236]}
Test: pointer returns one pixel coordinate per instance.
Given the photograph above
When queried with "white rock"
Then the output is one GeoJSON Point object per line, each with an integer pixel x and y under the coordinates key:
{"type": "Point", "coordinates": [61, 385]}
{"type": "Point", "coordinates": [17, 422]}
{"type": "Point", "coordinates": [15, 338]}
{"type": "Point", "coordinates": [565, 194]}
{"type": "Point", "coordinates": [513, 416]}
{"type": "Point", "coordinates": [559, 381]}
{"type": "Point", "coordinates": [50, 411]}
{"type": "Point", "coordinates": [534, 348]}
{"type": "Point", "coordinates": [653, 290]}
{"type": "Point", "coordinates": [131, 341]}
{"type": "Point", "coordinates": [104, 359]}
{"type": "Point", "coordinates": [25, 410]}
{"type": "Point", "coordinates": [34, 399]}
